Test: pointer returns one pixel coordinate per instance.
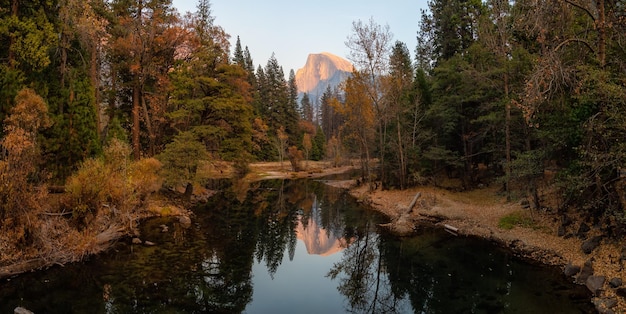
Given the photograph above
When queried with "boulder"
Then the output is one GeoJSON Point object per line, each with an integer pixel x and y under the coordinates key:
{"type": "Point", "coordinates": [595, 284]}
{"type": "Point", "coordinates": [615, 282]}
{"type": "Point", "coordinates": [582, 230]}
{"type": "Point", "coordinates": [591, 244]}
{"type": "Point", "coordinates": [571, 270]}
{"type": "Point", "coordinates": [604, 306]}
{"type": "Point", "coordinates": [621, 292]}
{"type": "Point", "coordinates": [585, 272]}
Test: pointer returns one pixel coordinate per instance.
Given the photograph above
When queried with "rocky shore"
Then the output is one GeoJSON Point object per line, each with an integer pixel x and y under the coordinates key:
{"type": "Point", "coordinates": [583, 254]}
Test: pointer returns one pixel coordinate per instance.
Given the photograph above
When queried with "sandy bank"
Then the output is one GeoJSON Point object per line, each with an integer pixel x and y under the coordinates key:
{"type": "Point", "coordinates": [477, 213]}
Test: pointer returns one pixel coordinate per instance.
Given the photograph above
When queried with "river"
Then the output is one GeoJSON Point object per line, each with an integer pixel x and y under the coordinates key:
{"type": "Point", "coordinates": [300, 246]}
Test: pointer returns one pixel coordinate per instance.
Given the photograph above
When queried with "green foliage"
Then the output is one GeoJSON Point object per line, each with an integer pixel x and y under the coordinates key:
{"type": "Point", "coordinates": [73, 136]}
{"type": "Point", "coordinates": [319, 145]}
{"type": "Point", "coordinates": [181, 159]}
{"type": "Point", "coordinates": [212, 104]}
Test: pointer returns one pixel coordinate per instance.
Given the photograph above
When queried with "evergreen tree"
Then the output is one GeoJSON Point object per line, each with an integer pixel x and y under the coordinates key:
{"type": "Point", "coordinates": [318, 147]}
{"type": "Point", "coordinates": [399, 102]}
{"type": "Point", "coordinates": [27, 35]}
{"type": "Point", "coordinates": [306, 108]}
{"type": "Point", "coordinates": [238, 56]}
{"type": "Point", "coordinates": [211, 99]}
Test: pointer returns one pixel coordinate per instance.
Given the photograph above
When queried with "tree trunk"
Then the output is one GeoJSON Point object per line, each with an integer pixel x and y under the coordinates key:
{"type": "Point", "coordinates": [601, 25]}
{"type": "Point", "coordinates": [135, 113]}
{"type": "Point", "coordinates": [151, 135]}
{"type": "Point", "coordinates": [507, 131]}
{"type": "Point", "coordinates": [93, 77]}
{"type": "Point", "coordinates": [403, 174]}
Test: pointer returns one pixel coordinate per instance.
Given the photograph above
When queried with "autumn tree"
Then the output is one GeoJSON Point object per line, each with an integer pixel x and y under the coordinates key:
{"type": "Point", "coordinates": [369, 46]}
{"type": "Point", "coordinates": [360, 120]}
{"type": "Point", "coordinates": [19, 167]}
{"type": "Point", "coordinates": [142, 51]}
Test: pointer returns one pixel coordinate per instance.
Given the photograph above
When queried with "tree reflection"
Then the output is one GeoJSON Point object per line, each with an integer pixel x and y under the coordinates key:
{"type": "Point", "coordinates": [362, 275]}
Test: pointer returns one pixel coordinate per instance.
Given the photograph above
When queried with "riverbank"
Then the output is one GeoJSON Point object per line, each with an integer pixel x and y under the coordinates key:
{"type": "Point", "coordinates": [480, 212]}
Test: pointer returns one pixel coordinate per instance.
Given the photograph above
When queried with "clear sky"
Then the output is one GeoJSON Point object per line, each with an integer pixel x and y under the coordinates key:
{"type": "Point", "coordinates": [291, 29]}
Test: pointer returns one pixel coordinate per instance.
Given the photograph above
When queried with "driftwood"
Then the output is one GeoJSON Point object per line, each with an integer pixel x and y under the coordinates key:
{"type": "Point", "coordinates": [413, 202]}
{"type": "Point", "coordinates": [450, 229]}
{"type": "Point", "coordinates": [56, 214]}
{"type": "Point", "coordinates": [103, 241]}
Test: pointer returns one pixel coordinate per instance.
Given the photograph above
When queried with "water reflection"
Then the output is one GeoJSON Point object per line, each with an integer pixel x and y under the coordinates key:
{"type": "Point", "coordinates": [292, 246]}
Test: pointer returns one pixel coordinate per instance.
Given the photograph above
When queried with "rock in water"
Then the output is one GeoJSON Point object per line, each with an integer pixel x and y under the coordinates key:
{"type": "Point", "coordinates": [571, 270]}
{"type": "Point", "coordinates": [21, 310]}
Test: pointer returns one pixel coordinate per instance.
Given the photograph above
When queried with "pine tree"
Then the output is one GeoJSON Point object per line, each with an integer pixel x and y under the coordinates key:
{"type": "Point", "coordinates": [306, 108]}
{"type": "Point", "coordinates": [238, 56]}
{"type": "Point", "coordinates": [27, 35]}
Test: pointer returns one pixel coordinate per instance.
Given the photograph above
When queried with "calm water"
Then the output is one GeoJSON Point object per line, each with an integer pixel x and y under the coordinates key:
{"type": "Point", "coordinates": [294, 247]}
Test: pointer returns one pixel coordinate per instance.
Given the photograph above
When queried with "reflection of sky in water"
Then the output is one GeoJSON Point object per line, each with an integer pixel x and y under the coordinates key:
{"type": "Point", "coordinates": [301, 283]}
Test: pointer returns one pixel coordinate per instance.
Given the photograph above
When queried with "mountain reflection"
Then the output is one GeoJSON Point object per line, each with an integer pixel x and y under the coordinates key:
{"type": "Point", "coordinates": [318, 241]}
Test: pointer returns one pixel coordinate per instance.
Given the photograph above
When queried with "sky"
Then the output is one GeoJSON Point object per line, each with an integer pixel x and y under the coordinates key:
{"type": "Point", "coordinates": [292, 29]}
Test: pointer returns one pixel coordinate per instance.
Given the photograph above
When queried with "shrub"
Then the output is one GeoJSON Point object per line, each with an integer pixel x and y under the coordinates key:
{"type": "Point", "coordinates": [112, 180]}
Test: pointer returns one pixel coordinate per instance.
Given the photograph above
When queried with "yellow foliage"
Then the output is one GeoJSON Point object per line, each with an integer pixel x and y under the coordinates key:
{"type": "Point", "coordinates": [144, 177]}
{"type": "Point", "coordinates": [113, 181]}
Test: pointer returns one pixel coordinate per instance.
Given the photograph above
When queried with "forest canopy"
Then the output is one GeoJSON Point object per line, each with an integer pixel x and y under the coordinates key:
{"type": "Point", "coordinates": [500, 92]}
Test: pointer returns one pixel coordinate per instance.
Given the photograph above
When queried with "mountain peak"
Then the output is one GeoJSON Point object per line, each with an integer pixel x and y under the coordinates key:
{"type": "Point", "coordinates": [321, 70]}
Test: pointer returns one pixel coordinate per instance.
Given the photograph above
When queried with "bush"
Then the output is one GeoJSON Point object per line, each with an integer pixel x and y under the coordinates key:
{"type": "Point", "coordinates": [113, 181]}
{"type": "Point", "coordinates": [181, 159]}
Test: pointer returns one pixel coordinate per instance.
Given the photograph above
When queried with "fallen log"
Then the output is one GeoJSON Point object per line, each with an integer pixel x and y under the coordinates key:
{"type": "Point", "coordinates": [451, 230]}
{"type": "Point", "coordinates": [413, 202]}
{"type": "Point", "coordinates": [103, 241]}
